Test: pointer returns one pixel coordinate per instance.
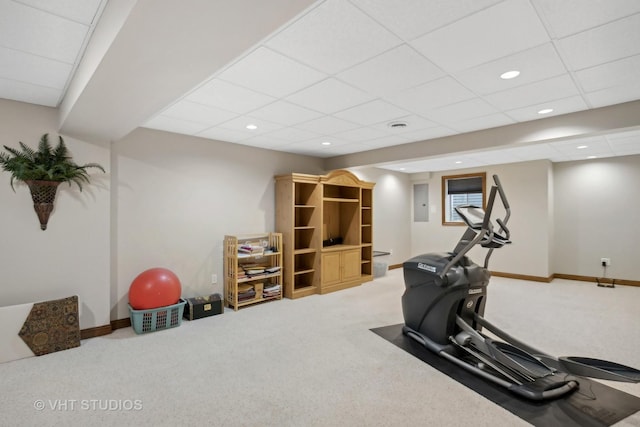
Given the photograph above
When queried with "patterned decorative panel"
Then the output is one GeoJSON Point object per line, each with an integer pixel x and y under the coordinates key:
{"type": "Point", "coordinates": [52, 326]}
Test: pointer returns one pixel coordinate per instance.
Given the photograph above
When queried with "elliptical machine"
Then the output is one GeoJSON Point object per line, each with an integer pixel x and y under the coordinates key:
{"type": "Point", "coordinates": [443, 306]}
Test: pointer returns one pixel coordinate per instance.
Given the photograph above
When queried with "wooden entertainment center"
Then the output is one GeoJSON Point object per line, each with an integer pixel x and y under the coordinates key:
{"type": "Point", "coordinates": [327, 226]}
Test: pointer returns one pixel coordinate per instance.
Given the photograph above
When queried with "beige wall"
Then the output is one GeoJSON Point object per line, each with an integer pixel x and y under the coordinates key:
{"type": "Point", "coordinates": [565, 218]}
{"type": "Point", "coordinates": [177, 196]}
{"type": "Point", "coordinates": [391, 213]}
{"type": "Point", "coordinates": [71, 257]}
{"type": "Point", "coordinates": [596, 216]}
{"type": "Point", "coordinates": [168, 200]}
{"type": "Point", "coordinates": [526, 186]}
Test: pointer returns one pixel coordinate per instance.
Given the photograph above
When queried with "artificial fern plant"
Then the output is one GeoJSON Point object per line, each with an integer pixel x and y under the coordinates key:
{"type": "Point", "coordinates": [45, 164]}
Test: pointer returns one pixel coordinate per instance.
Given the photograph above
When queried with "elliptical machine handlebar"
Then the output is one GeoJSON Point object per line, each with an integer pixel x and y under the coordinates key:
{"type": "Point", "coordinates": [505, 203]}
{"type": "Point", "coordinates": [503, 233]}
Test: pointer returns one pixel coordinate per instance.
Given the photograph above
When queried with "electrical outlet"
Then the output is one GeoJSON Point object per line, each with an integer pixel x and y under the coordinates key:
{"type": "Point", "coordinates": [605, 261]}
{"type": "Point", "coordinates": [214, 279]}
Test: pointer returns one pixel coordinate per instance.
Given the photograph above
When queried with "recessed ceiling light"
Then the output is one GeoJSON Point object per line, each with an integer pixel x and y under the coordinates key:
{"type": "Point", "coordinates": [326, 143]}
{"type": "Point", "coordinates": [398, 125]}
{"type": "Point", "coordinates": [252, 127]}
{"type": "Point", "coordinates": [592, 157]}
{"type": "Point", "coordinates": [458, 162]}
{"type": "Point", "coordinates": [510, 75]}
{"type": "Point", "coordinates": [580, 147]}
{"type": "Point", "coordinates": [545, 111]}
{"type": "Point", "coordinates": [402, 169]}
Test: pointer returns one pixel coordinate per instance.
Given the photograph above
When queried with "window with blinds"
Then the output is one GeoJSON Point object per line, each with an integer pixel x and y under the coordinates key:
{"type": "Point", "coordinates": [459, 190]}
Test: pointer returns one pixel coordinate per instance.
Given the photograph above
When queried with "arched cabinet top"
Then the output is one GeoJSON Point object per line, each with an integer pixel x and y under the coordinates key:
{"type": "Point", "coordinates": [344, 177]}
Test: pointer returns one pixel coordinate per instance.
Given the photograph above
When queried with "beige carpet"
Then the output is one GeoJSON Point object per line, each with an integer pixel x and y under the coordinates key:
{"type": "Point", "coordinates": [308, 362]}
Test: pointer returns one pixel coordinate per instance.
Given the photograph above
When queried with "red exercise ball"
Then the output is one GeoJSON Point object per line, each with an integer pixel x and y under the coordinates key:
{"type": "Point", "coordinates": [153, 288]}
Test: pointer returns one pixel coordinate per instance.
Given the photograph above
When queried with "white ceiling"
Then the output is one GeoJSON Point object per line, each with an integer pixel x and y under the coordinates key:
{"type": "Point", "coordinates": [343, 70]}
{"type": "Point", "coordinates": [41, 44]}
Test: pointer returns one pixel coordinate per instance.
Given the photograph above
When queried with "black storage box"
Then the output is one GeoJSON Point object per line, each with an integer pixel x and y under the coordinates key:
{"type": "Point", "coordinates": [199, 307]}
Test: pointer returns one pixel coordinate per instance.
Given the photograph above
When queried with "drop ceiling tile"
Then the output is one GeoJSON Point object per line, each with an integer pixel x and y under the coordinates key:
{"type": "Point", "coordinates": [332, 37]}
{"type": "Point", "coordinates": [293, 134]}
{"type": "Point", "coordinates": [361, 134]}
{"type": "Point", "coordinates": [431, 133]}
{"type": "Point", "coordinates": [239, 124]}
{"type": "Point", "coordinates": [387, 141]}
{"type": "Point", "coordinates": [198, 113]}
{"type": "Point", "coordinates": [266, 141]}
{"type": "Point", "coordinates": [414, 123]}
{"type": "Point", "coordinates": [285, 113]}
{"type": "Point", "coordinates": [602, 44]}
{"type": "Point", "coordinates": [172, 124]}
{"type": "Point", "coordinates": [533, 94]}
{"type": "Point", "coordinates": [398, 167]}
{"type": "Point", "coordinates": [271, 73]}
{"type": "Point", "coordinates": [434, 164]}
{"type": "Point", "coordinates": [327, 125]}
{"type": "Point", "coordinates": [392, 71]}
{"type": "Point", "coordinates": [560, 106]}
{"type": "Point", "coordinates": [353, 147]}
{"type": "Point", "coordinates": [592, 145]}
{"type": "Point", "coordinates": [426, 97]}
{"type": "Point", "coordinates": [448, 163]}
{"type": "Point", "coordinates": [613, 95]}
{"type": "Point", "coordinates": [220, 94]}
{"type": "Point", "coordinates": [487, 158]}
{"type": "Point", "coordinates": [466, 161]}
{"type": "Point", "coordinates": [319, 142]}
{"type": "Point", "coordinates": [568, 17]}
{"type": "Point", "coordinates": [27, 68]}
{"type": "Point", "coordinates": [494, 157]}
{"type": "Point", "coordinates": [82, 11]}
{"type": "Point", "coordinates": [303, 148]}
{"type": "Point", "coordinates": [412, 18]}
{"type": "Point", "coordinates": [314, 147]}
{"type": "Point", "coordinates": [325, 152]}
{"type": "Point", "coordinates": [484, 36]}
{"type": "Point", "coordinates": [538, 63]}
{"type": "Point", "coordinates": [621, 72]}
{"type": "Point", "coordinates": [329, 96]}
{"type": "Point", "coordinates": [27, 92]}
{"type": "Point", "coordinates": [626, 149]}
{"type": "Point", "coordinates": [478, 123]}
{"type": "Point", "coordinates": [625, 143]}
{"type": "Point", "coordinates": [220, 134]}
{"type": "Point", "coordinates": [560, 158]}
{"type": "Point", "coordinates": [372, 112]}
{"type": "Point", "coordinates": [460, 111]}
{"type": "Point", "coordinates": [533, 152]}
{"type": "Point", "coordinates": [587, 156]}
{"type": "Point", "coordinates": [40, 33]}
{"type": "Point", "coordinates": [632, 136]}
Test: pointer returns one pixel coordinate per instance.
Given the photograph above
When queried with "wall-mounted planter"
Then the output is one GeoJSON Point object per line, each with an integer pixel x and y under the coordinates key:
{"type": "Point", "coordinates": [43, 170]}
{"type": "Point", "coordinates": [43, 194]}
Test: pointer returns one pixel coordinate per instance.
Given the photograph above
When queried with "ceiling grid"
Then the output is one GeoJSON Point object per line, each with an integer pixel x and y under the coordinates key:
{"type": "Point", "coordinates": [330, 81]}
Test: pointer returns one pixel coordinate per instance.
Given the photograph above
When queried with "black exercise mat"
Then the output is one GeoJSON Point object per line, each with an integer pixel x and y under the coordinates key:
{"type": "Point", "coordinates": [593, 404]}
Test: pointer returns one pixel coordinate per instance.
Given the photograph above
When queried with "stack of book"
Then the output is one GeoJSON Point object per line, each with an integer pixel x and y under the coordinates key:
{"type": "Point", "coordinates": [250, 270]}
{"type": "Point", "coordinates": [250, 249]}
{"type": "Point", "coordinates": [272, 290]}
{"type": "Point", "coordinates": [246, 292]}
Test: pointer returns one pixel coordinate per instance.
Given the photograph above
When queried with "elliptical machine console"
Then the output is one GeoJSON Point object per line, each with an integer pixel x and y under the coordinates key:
{"type": "Point", "coordinates": [443, 306]}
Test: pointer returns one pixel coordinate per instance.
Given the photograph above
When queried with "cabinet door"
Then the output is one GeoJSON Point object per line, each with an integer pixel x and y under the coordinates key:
{"type": "Point", "coordinates": [351, 264]}
{"type": "Point", "coordinates": [331, 268]}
